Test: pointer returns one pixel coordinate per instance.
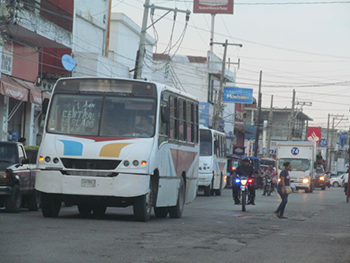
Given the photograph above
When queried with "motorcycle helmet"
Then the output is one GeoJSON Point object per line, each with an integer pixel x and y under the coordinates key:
{"type": "Point", "coordinates": [245, 159]}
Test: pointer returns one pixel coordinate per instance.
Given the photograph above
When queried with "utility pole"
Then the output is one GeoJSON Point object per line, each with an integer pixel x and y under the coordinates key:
{"type": "Point", "coordinates": [291, 123]}
{"type": "Point", "coordinates": [257, 120]}
{"type": "Point", "coordinates": [327, 149]}
{"type": "Point", "coordinates": [142, 46]}
{"type": "Point", "coordinates": [218, 105]}
{"type": "Point", "coordinates": [269, 129]}
{"type": "Point", "coordinates": [141, 51]}
{"type": "Point", "coordinates": [212, 31]}
{"type": "Point", "coordinates": [335, 117]}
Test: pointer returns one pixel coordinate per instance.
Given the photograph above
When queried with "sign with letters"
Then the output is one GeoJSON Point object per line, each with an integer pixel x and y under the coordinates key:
{"type": "Point", "coordinates": [213, 6]}
{"type": "Point", "coordinates": [238, 95]}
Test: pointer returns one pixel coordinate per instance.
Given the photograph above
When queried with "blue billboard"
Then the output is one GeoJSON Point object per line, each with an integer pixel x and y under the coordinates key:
{"type": "Point", "coordinates": [205, 113]}
{"type": "Point", "coordinates": [238, 95]}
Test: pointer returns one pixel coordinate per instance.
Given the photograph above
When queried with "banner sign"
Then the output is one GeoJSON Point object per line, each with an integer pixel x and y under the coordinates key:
{"type": "Point", "coordinates": [238, 95]}
{"type": "Point", "coordinates": [314, 134]}
{"type": "Point", "coordinates": [213, 6]}
{"type": "Point", "coordinates": [205, 113]}
{"type": "Point", "coordinates": [343, 139]}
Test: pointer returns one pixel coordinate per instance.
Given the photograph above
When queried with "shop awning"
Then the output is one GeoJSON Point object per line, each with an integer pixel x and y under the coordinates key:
{"type": "Point", "coordinates": [10, 88]}
{"type": "Point", "coordinates": [35, 92]}
{"type": "Point", "coordinates": [20, 89]}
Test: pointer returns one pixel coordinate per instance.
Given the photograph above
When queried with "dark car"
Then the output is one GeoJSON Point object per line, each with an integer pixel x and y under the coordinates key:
{"type": "Point", "coordinates": [17, 178]}
{"type": "Point", "coordinates": [321, 179]}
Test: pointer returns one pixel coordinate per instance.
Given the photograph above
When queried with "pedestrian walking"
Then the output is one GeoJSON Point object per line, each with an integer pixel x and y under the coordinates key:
{"type": "Point", "coordinates": [281, 189]}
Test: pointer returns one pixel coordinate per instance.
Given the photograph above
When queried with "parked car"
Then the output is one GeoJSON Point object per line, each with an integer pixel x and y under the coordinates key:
{"type": "Point", "coordinates": [17, 178]}
{"type": "Point", "coordinates": [337, 180]}
{"type": "Point", "coordinates": [321, 179]}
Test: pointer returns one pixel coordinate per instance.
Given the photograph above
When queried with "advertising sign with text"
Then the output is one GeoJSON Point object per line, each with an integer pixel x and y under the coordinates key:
{"type": "Point", "coordinates": [238, 95]}
{"type": "Point", "coordinates": [213, 6]}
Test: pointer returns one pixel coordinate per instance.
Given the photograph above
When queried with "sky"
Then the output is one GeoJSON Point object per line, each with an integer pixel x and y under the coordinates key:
{"type": "Point", "coordinates": [301, 45]}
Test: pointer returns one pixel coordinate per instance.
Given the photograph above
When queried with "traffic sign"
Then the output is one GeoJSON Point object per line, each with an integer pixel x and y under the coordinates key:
{"type": "Point", "coordinates": [322, 143]}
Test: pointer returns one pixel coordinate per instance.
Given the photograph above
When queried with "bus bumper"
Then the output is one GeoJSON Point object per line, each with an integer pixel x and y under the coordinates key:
{"type": "Point", "coordinates": [205, 179]}
{"type": "Point", "coordinates": [122, 185]}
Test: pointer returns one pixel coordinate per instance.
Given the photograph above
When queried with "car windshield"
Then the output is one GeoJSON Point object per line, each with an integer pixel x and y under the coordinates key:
{"type": "Point", "coordinates": [8, 153]}
{"type": "Point", "coordinates": [102, 116]}
{"type": "Point", "coordinates": [298, 164]}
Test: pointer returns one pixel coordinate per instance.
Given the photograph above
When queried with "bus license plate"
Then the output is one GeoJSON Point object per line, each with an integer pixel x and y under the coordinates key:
{"type": "Point", "coordinates": [88, 183]}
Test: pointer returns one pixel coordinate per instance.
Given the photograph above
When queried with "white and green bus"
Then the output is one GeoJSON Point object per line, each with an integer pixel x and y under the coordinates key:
{"type": "Point", "coordinates": [96, 154]}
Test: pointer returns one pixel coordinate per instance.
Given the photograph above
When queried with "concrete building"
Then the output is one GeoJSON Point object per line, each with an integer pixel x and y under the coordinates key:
{"type": "Point", "coordinates": [199, 76]}
{"type": "Point", "coordinates": [34, 37]}
{"type": "Point", "coordinates": [31, 33]}
{"type": "Point", "coordinates": [279, 129]}
{"type": "Point", "coordinates": [124, 43]}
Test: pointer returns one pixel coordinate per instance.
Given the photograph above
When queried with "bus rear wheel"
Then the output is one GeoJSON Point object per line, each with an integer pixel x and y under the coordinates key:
{"type": "Point", "coordinates": [161, 212]}
{"type": "Point", "coordinates": [176, 211]}
{"type": "Point", "coordinates": [207, 190]}
{"type": "Point", "coordinates": [99, 209]}
{"type": "Point", "coordinates": [84, 209]}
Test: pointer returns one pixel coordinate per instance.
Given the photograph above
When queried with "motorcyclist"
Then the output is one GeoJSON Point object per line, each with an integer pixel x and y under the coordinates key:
{"type": "Point", "coordinates": [245, 169]}
{"type": "Point", "coordinates": [270, 173]}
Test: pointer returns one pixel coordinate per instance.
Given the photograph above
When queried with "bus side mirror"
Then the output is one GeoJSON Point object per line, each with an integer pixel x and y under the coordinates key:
{"type": "Point", "coordinates": [165, 111]}
{"type": "Point", "coordinates": [45, 106]}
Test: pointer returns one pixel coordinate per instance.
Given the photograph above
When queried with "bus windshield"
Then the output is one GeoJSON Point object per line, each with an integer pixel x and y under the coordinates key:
{"type": "Point", "coordinates": [205, 146]}
{"type": "Point", "coordinates": [297, 164]}
{"type": "Point", "coordinates": [100, 115]}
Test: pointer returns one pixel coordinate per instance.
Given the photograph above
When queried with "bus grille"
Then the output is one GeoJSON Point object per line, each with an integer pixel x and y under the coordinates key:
{"type": "Point", "coordinates": [90, 164]}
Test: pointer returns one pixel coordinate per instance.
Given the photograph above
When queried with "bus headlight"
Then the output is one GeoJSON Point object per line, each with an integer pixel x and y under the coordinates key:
{"type": "Point", "coordinates": [126, 163]}
{"type": "Point", "coordinates": [305, 180]}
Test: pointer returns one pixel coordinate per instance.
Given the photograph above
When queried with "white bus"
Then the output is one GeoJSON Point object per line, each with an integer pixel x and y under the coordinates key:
{"type": "Point", "coordinates": [111, 142]}
{"type": "Point", "coordinates": [212, 161]}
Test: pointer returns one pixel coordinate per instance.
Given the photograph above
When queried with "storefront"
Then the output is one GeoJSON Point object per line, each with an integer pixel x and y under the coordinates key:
{"type": "Point", "coordinates": [20, 109]}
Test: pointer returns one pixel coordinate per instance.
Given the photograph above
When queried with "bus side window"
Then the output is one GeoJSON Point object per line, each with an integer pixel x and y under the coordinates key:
{"type": "Point", "coordinates": [216, 147]}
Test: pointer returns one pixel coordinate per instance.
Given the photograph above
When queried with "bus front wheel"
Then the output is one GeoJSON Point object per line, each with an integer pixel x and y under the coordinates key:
{"type": "Point", "coordinates": [50, 205]}
{"type": "Point", "coordinates": [143, 207]}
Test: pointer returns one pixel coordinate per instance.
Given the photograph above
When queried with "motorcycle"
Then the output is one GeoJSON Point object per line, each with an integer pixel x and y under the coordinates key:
{"type": "Point", "coordinates": [268, 186]}
{"type": "Point", "coordinates": [243, 182]}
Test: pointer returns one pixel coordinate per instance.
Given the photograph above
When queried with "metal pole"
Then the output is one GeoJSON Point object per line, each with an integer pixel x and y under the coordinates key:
{"type": "Point", "coordinates": [108, 28]}
{"type": "Point", "coordinates": [257, 119]}
{"type": "Point", "coordinates": [141, 52]}
{"type": "Point", "coordinates": [331, 146]}
{"type": "Point", "coordinates": [212, 32]}
{"type": "Point", "coordinates": [269, 129]}
{"type": "Point", "coordinates": [218, 105]}
{"type": "Point", "coordinates": [327, 149]}
{"type": "Point", "coordinates": [291, 123]}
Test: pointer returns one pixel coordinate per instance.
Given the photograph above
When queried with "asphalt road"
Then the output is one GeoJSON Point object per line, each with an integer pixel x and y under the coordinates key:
{"type": "Point", "coordinates": [212, 229]}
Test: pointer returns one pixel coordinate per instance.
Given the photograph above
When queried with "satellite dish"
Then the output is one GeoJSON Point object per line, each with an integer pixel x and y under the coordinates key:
{"type": "Point", "coordinates": [68, 62]}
